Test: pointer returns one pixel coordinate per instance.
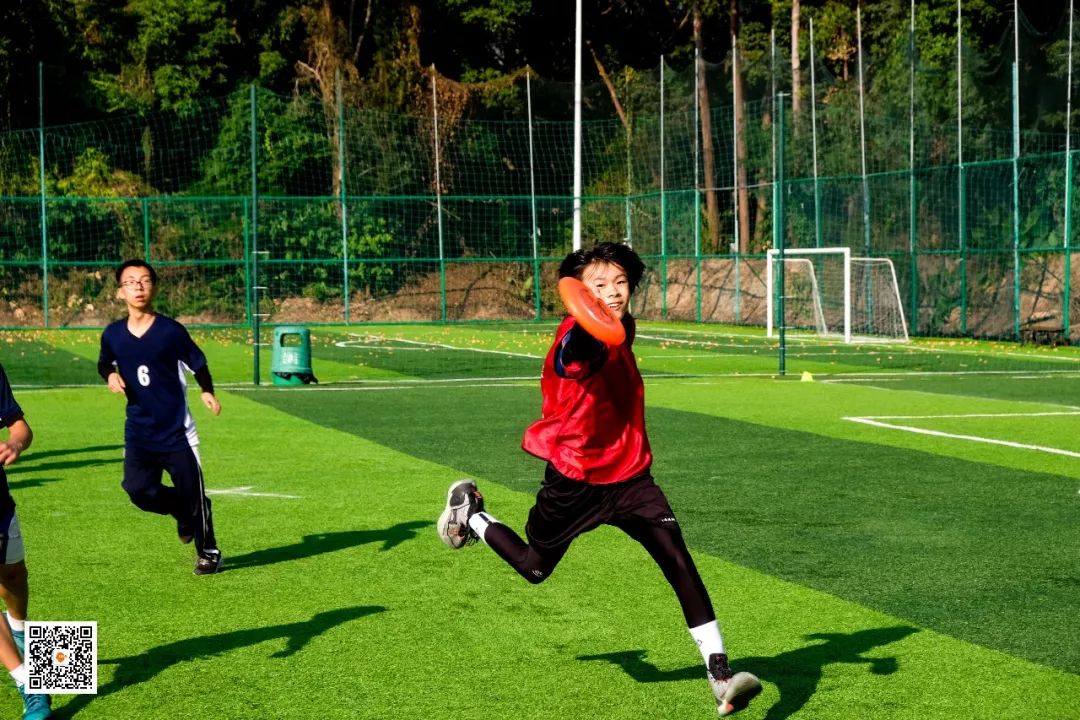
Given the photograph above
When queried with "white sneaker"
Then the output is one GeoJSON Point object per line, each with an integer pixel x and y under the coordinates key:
{"type": "Point", "coordinates": [733, 691]}
{"type": "Point", "coordinates": [462, 501]}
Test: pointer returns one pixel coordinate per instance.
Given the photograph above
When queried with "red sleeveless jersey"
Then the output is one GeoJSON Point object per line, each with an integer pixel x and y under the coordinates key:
{"type": "Point", "coordinates": [593, 420]}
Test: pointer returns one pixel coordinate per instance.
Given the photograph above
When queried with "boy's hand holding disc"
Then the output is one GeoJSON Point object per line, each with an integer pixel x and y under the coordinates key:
{"type": "Point", "coordinates": [594, 316]}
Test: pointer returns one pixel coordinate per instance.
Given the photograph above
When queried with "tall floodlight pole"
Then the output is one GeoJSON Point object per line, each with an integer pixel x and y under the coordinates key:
{"type": "Point", "coordinates": [577, 127]}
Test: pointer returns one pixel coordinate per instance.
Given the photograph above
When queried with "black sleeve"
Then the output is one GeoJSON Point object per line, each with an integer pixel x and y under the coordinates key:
{"type": "Point", "coordinates": [579, 354]}
{"type": "Point", "coordinates": [105, 369]}
{"type": "Point", "coordinates": [202, 376]}
{"type": "Point", "coordinates": [580, 346]}
{"type": "Point", "coordinates": [105, 364]}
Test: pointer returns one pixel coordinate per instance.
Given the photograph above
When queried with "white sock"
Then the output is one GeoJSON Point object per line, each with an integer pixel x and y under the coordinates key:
{"type": "Point", "coordinates": [20, 675]}
{"type": "Point", "coordinates": [708, 639]}
{"type": "Point", "coordinates": [16, 625]}
{"type": "Point", "coordinates": [479, 523]}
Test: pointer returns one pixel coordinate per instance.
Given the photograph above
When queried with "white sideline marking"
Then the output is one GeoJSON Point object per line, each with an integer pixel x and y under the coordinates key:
{"type": "Point", "coordinates": [876, 422]}
{"type": "Point", "coordinates": [355, 388]}
{"type": "Point", "coordinates": [245, 491]}
{"type": "Point", "coordinates": [362, 341]}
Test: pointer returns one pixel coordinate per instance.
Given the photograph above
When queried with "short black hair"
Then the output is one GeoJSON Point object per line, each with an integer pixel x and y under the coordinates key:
{"type": "Point", "coordinates": [618, 253]}
{"type": "Point", "coordinates": [136, 263]}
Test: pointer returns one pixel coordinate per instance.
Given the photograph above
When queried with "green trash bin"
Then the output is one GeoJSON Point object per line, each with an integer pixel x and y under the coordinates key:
{"type": "Point", "coordinates": [292, 356]}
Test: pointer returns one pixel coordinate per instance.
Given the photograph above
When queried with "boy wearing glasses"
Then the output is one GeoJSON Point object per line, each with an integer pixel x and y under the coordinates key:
{"type": "Point", "coordinates": [145, 356]}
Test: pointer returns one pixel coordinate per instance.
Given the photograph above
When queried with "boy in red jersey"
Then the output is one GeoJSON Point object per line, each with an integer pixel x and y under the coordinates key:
{"type": "Point", "coordinates": [592, 435]}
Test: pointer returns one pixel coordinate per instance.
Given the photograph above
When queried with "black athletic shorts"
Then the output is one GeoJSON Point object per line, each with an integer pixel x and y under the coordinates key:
{"type": "Point", "coordinates": [567, 508]}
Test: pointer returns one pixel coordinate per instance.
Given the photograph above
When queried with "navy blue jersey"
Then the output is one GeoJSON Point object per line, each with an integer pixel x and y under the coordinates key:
{"type": "Point", "coordinates": [152, 367]}
{"type": "Point", "coordinates": [10, 412]}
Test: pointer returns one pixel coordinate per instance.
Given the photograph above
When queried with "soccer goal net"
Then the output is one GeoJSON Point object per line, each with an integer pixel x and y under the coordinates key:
{"type": "Point", "coordinates": [829, 292]}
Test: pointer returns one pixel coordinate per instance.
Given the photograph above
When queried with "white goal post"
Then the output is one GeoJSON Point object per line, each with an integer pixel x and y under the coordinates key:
{"type": "Point", "coordinates": [831, 293]}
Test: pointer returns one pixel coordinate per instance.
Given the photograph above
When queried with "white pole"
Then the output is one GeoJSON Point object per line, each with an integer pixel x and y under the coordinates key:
{"type": "Point", "coordinates": [818, 240]}
{"type": "Point", "coordinates": [438, 196]}
{"type": "Point", "coordinates": [532, 174]}
{"type": "Point", "coordinates": [577, 128]}
{"type": "Point", "coordinates": [532, 196]}
{"type": "Point", "coordinates": [438, 177]}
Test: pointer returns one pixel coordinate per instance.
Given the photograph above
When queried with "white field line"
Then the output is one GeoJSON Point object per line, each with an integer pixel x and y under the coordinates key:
{"type": "Point", "coordinates": [471, 382]}
{"type": "Point", "coordinates": [695, 341]}
{"type": "Point", "coordinates": [876, 421]}
{"type": "Point", "coordinates": [362, 340]}
{"type": "Point", "coordinates": [354, 388]}
{"type": "Point", "coordinates": [245, 491]}
{"type": "Point", "coordinates": [840, 376]}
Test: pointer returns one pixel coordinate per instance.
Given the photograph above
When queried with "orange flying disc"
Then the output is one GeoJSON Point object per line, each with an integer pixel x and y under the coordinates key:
{"type": "Point", "coordinates": [592, 314]}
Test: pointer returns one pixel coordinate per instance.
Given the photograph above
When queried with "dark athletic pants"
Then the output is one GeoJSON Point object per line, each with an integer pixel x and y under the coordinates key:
{"type": "Point", "coordinates": [567, 508]}
{"type": "Point", "coordinates": [186, 500]}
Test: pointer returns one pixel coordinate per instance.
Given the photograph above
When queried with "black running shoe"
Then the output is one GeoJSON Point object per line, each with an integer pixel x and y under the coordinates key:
{"type": "Point", "coordinates": [208, 566]}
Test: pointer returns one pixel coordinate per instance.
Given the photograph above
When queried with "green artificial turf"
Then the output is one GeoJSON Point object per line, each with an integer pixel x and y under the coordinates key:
{"type": "Point", "coordinates": [860, 571]}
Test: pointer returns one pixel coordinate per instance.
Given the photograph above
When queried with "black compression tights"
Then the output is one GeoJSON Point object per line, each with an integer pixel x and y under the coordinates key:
{"type": "Point", "coordinates": [664, 544]}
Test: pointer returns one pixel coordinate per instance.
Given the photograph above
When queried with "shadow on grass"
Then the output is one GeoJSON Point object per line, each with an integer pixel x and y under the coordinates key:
{"type": "Point", "coordinates": [32, 461]}
{"type": "Point", "coordinates": [34, 455]}
{"type": "Point", "coordinates": [795, 673]}
{"type": "Point", "coordinates": [322, 543]}
{"type": "Point", "coordinates": [31, 482]}
{"type": "Point", "coordinates": [143, 668]}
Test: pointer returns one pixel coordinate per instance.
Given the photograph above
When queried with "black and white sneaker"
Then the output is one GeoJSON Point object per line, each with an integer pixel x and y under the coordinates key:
{"type": "Point", "coordinates": [463, 501]}
{"type": "Point", "coordinates": [208, 565]}
{"type": "Point", "coordinates": [733, 690]}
